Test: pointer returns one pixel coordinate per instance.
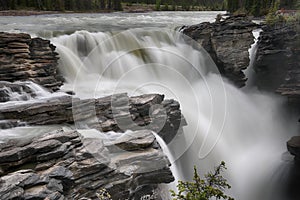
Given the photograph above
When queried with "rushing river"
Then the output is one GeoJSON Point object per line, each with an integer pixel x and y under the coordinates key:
{"type": "Point", "coordinates": [101, 54]}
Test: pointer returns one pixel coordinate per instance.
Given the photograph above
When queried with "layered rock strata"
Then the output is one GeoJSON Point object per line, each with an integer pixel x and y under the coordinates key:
{"type": "Point", "coordinates": [25, 58]}
{"type": "Point", "coordinates": [64, 165]}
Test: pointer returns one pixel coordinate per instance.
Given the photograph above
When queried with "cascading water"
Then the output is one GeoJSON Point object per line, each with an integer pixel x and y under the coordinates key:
{"type": "Point", "coordinates": [249, 72]}
{"type": "Point", "coordinates": [23, 91]}
{"type": "Point", "coordinates": [247, 129]}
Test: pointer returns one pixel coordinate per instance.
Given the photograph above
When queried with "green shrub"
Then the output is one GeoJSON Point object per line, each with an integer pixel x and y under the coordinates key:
{"type": "Point", "coordinates": [213, 185]}
{"type": "Point", "coordinates": [102, 194]}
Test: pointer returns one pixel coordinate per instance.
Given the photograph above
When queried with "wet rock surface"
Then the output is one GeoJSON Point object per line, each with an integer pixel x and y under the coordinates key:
{"type": "Point", "coordinates": [64, 165]}
{"type": "Point", "coordinates": [227, 42]}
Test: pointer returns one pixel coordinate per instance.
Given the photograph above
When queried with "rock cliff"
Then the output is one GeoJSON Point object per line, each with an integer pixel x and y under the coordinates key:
{"type": "Point", "coordinates": [227, 42]}
{"type": "Point", "coordinates": [277, 63]}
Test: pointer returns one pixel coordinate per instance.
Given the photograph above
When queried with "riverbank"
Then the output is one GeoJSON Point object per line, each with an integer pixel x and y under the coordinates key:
{"type": "Point", "coordinates": [35, 12]}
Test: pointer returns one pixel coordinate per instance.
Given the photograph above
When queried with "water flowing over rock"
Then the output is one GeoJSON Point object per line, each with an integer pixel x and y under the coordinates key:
{"type": "Point", "coordinates": [64, 165]}
{"type": "Point", "coordinates": [25, 58]}
{"type": "Point", "coordinates": [13, 91]}
{"type": "Point", "coordinates": [227, 42]}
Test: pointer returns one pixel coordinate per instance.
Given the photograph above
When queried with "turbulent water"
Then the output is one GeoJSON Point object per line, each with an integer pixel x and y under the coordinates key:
{"type": "Point", "coordinates": [60, 24]}
{"type": "Point", "coordinates": [101, 54]}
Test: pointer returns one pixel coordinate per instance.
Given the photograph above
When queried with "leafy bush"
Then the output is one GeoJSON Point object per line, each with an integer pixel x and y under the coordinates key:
{"type": "Point", "coordinates": [213, 185]}
{"type": "Point", "coordinates": [102, 194]}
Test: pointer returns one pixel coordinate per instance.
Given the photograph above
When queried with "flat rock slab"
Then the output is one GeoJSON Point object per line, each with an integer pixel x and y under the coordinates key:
{"type": "Point", "coordinates": [64, 165]}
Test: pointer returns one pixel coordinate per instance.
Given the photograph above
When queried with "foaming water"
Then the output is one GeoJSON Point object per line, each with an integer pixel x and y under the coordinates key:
{"type": "Point", "coordinates": [26, 90]}
{"type": "Point", "coordinates": [60, 24]}
{"type": "Point", "coordinates": [249, 72]}
{"type": "Point", "coordinates": [247, 129]}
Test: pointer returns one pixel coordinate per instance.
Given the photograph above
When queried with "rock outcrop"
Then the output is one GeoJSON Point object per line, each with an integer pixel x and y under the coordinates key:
{"type": "Point", "coordinates": [25, 58]}
{"type": "Point", "coordinates": [227, 42]}
{"type": "Point", "coordinates": [277, 63]}
{"type": "Point", "coordinates": [113, 113]}
{"type": "Point", "coordinates": [64, 165]}
{"type": "Point", "coordinates": [293, 146]}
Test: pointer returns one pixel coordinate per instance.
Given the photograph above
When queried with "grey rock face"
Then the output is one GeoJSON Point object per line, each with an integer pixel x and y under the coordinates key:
{"type": "Point", "coordinates": [277, 63]}
{"type": "Point", "coordinates": [227, 42]}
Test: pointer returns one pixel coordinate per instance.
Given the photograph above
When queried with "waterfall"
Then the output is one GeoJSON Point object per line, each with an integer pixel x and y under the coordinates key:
{"type": "Point", "coordinates": [249, 72]}
{"type": "Point", "coordinates": [246, 129]}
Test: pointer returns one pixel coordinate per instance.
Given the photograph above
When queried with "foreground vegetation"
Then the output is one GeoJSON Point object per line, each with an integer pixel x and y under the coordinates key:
{"type": "Point", "coordinates": [212, 185]}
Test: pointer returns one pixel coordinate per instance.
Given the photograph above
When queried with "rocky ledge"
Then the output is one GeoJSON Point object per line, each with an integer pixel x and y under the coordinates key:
{"type": "Point", "coordinates": [113, 113]}
{"type": "Point", "coordinates": [25, 58]}
{"type": "Point", "coordinates": [64, 165]}
{"type": "Point", "coordinates": [227, 41]}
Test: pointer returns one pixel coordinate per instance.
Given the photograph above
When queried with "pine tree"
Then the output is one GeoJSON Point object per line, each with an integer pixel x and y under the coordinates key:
{"type": "Point", "coordinates": [256, 8]}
